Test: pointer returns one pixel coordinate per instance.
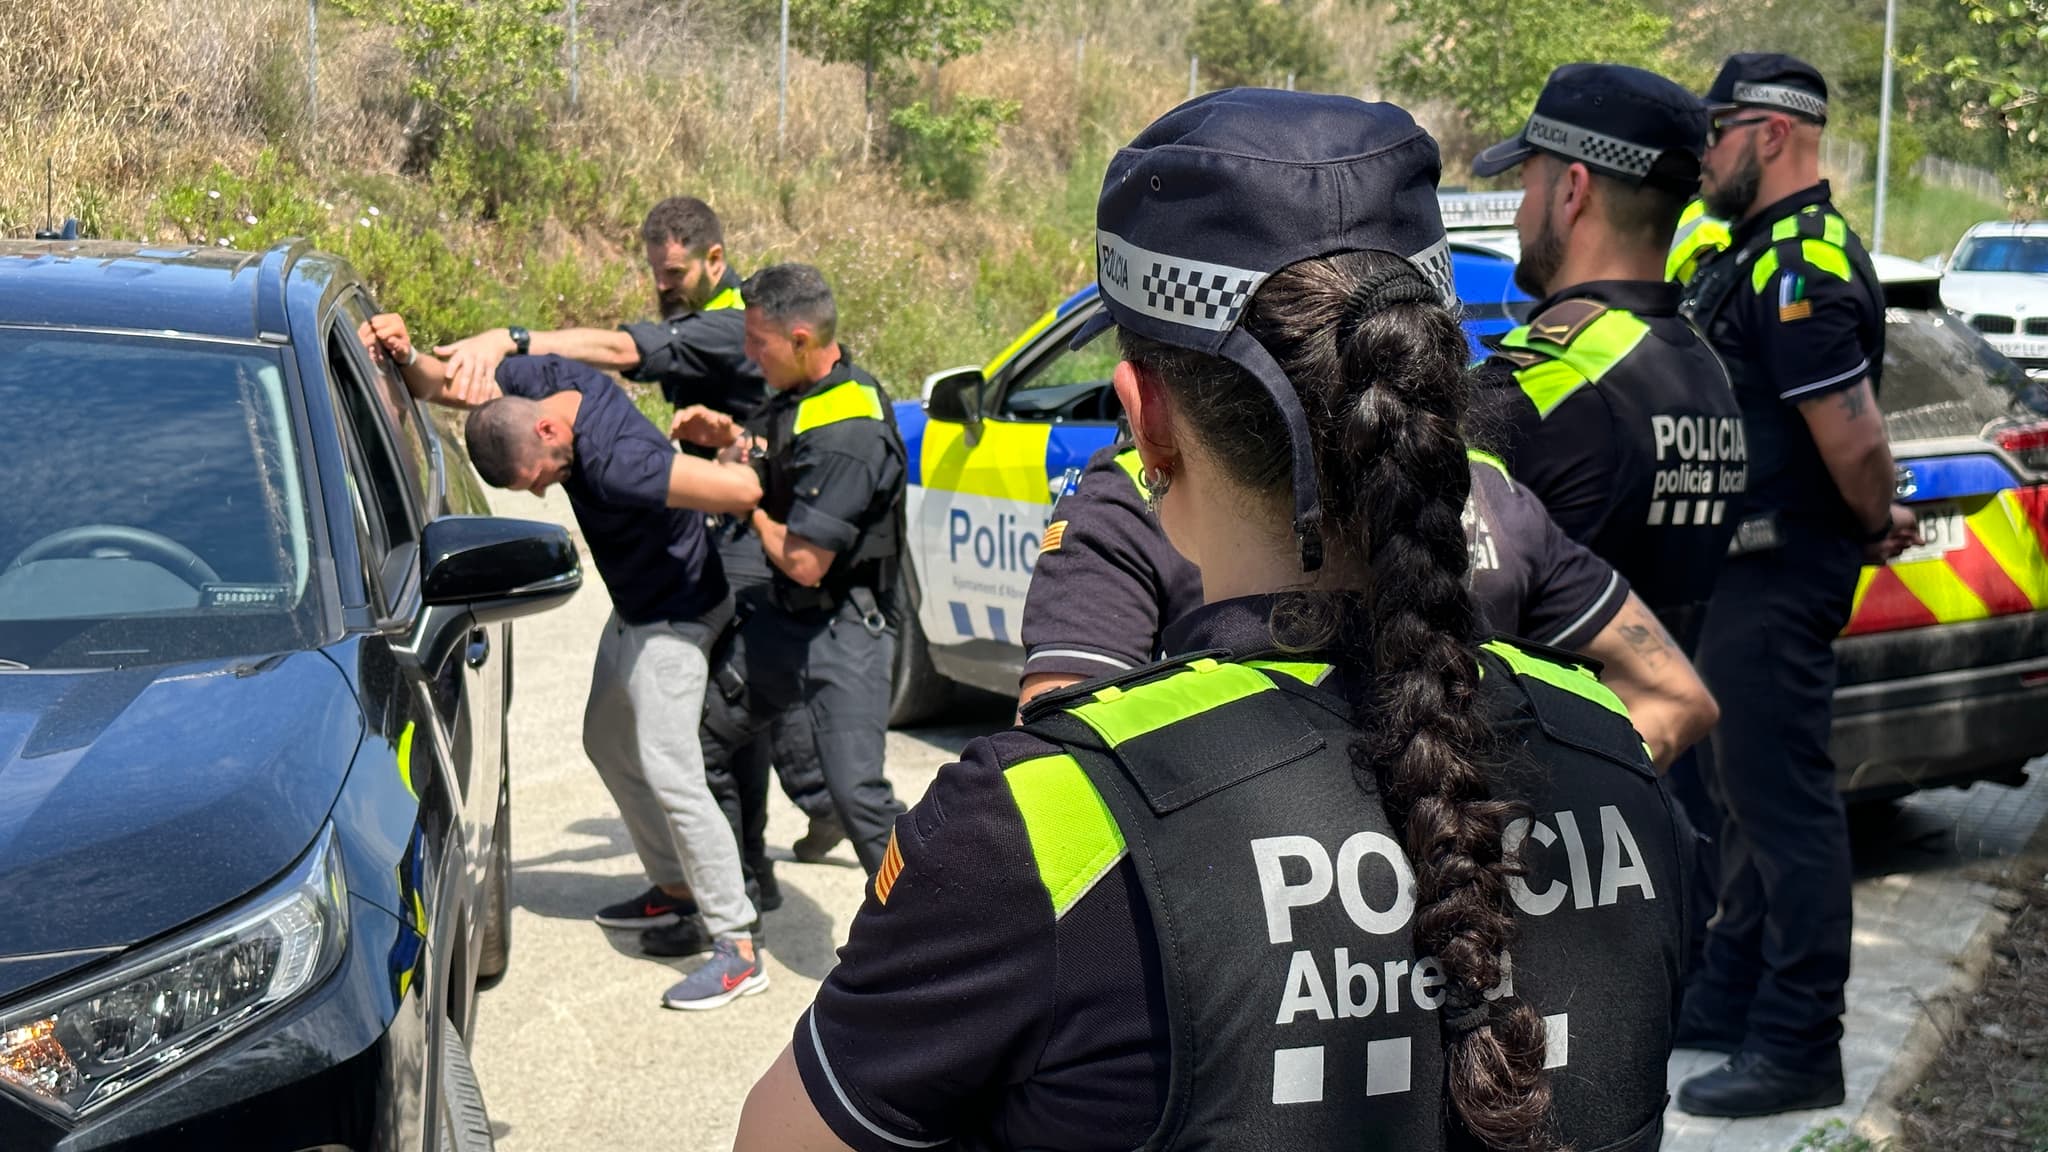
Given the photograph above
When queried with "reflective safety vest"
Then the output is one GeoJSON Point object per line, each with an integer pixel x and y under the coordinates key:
{"type": "Point", "coordinates": [872, 561]}
{"type": "Point", "coordinates": [1699, 235]}
{"type": "Point", "coordinates": [1302, 1014]}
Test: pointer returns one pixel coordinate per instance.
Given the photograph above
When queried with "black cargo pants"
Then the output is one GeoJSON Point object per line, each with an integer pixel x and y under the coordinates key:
{"type": "Point", "coordinates": [1777, 951]}
{"type": "Point", "coordinates": [814, 685]}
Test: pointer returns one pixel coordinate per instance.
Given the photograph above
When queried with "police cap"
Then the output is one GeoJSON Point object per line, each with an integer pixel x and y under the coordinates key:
{"type": "Point", "coordinates": [1619, 121]}
{"type": "Point", "coordinates": [1770, 80]}
{"type": "Point", "coordinates": [1233, 186]}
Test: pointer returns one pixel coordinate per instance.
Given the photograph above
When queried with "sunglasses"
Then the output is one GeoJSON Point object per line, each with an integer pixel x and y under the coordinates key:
{"type": "Point", "coordinates": [1718, 128]}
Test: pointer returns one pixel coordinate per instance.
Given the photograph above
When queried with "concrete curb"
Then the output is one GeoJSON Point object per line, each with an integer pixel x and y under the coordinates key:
{"type": "Point", "coordinates": [1880, 1121]}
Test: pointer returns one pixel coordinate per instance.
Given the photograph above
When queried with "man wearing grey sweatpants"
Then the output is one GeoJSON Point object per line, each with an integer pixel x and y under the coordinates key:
{"type": "Point", "coordinates": [640, 506]}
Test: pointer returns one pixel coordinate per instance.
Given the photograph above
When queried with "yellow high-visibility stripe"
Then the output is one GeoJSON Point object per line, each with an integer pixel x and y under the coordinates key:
{"type": "Point", "coordinates": [1074, 839]}
{"type": "Point", "coordinates": [1123, 715]}
{"type": "Point", "coordinates": [1935, 584]}
{"type": "Point", "coordinates": [1826, 257]}
{"type": "Point", "coordinates": [852, 400]}
{"type": "Point", "coordinates": [729, 298]}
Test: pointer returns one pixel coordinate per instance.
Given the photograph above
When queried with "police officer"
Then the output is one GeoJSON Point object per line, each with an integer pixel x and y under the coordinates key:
{"type": "Point", "coordinates": [822, 644]}
{"type": "Point", "coordinates": [1607, 403]}
{"type": "Point", "coordinates": [1259, 897]}
{"type": "Point", "coordinates": [1796, 312]}
{"type": "Point", "coordinates": [695, 351]}
{"type": "Point", "coordinates": [1107, 584]}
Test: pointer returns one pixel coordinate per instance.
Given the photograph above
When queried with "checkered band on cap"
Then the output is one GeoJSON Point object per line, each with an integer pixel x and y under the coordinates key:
{"type": "Point", "coordinates": [1781, 96]}
{"type": "Point", "coordinates": [1212, 296]}
{"type": "Point", "coordinates": [1173, 288]}
{"type": "Point", "coordinates": [1595, 148]}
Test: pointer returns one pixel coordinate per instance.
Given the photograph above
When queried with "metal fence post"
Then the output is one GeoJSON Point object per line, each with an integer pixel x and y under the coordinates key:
{"type": "Point", "coordinates": [782, 86]}
{"type": "Point", "coordinates": [573, 70]}
{"type": "Point", "coordinates": [1884, 132]}
{"type": "Point", "coordinates": [312, 64]}
{"type": "Point", "coordinates": [1194, 74]}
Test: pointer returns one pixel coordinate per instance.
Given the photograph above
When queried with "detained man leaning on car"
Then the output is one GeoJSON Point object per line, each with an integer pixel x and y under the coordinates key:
{"type": "Point", "coordinates": [539, 421]}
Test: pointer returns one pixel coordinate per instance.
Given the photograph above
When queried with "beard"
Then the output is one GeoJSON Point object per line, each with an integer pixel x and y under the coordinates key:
{"type": "Point", "coordinates": [673, 303]}
{"type": "Point", "coordinates": [1733, 195]}
{"type": "Point", "coordinates": [1542, 256]}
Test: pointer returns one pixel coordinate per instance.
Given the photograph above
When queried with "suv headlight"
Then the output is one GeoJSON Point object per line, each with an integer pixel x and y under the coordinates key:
{"type": "Point", "coordinates": [82, 1046]}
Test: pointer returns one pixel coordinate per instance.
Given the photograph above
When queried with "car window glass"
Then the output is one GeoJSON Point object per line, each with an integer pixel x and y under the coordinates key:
{"type": "Point", "coordinates": [1942, 379]}
{"type": "Point", "coordinates": [177, 531]}
{"type": "Point", "coordinates": [2004, 254]}
{"type": "Point", "coordinates": [382, 486]}
{"type": "Point", "coordinates": [1063, 384]}
{"type": "Point", "coordinates": [399, 407]}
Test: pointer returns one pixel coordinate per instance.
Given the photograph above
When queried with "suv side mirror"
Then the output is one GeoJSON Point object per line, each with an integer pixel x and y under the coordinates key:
{"type": "Point", "coordinates": [496, 567]}
{"type": "Point", "coordinates": [954, 396]}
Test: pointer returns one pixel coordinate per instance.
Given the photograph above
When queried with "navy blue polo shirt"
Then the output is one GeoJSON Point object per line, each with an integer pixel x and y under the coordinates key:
{"type": "Point", "coordinates": [657, 561]}
{"type": "Point", "coordinates": [1107, 582]}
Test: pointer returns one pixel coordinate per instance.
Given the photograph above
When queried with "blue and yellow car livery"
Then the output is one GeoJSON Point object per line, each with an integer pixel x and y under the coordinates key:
{"type": "Point", "coordinates": [991, 448]}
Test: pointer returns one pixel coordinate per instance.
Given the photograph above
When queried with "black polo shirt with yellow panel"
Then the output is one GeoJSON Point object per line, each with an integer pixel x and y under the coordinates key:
{"type": "Point", "coordinates": [1132, 919]}
{"type": "Point", "coordinates": [1611, 408]}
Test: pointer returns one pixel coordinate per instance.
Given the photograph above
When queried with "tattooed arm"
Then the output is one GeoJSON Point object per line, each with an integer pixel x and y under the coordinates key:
{"type": "Point", "coordinates": [1640, 661]}
{"type": "Point", "coordinates": [1849, 431]}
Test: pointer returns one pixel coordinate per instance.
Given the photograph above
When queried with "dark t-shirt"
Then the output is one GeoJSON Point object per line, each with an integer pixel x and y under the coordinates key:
{"type": "Point", "coordinates": [1804, 319]}
{"type": "Point", "coordinates": [657, 561]}
{"type": "Point", "coordinates": [965, 1013]}
{"type": "Point", "coordinates": [701, 357]}
{"type": "Point", "coordinates": [1107, 582]}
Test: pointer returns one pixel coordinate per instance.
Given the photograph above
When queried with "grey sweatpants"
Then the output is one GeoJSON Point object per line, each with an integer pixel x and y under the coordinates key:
{"type": "Point", "coordinates": [640, 730]}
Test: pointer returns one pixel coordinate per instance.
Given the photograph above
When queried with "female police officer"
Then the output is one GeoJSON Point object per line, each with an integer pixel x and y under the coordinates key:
{"type": "Point", "coordinates": [1343, 879]}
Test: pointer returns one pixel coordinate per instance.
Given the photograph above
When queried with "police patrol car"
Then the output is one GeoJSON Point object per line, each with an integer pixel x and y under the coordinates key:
{"type": "Point", "coordinates": [1944, 664]}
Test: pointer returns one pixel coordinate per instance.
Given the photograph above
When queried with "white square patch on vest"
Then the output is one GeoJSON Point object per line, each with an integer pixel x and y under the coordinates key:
{"type": "Point", "coordinates": [1387, 1065]}
{"type": "Point", "coordinates": [1298, 1075]}
{"type": "Point", "coordinates": [1557, 1039]}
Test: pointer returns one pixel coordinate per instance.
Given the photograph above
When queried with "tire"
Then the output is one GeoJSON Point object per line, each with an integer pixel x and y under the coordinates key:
{"type": "Point", "coordinates": [465, 1125]}
{"type": "Point", "coordinates": [496, 953]}
{"type": "Point", "coordinates": [918, 692]}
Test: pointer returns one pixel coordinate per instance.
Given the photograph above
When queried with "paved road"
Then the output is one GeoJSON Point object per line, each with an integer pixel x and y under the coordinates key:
{"type": "Point", "coordinates": [575, 1051]}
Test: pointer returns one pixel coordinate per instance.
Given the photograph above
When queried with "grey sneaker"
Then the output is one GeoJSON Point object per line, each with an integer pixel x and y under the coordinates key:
{"type": "Point", "coordinates": [725, 977]}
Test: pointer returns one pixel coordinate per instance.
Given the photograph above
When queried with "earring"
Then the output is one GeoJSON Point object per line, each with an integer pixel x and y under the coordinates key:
{"type": "Point", "coordinates": [1155, 481]}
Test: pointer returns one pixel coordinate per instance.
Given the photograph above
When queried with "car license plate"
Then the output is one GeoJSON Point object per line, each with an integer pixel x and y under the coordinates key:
{"type": "Point", "coordinates": [1941, 525]}
{"type": "Point", "coordinates": [2024, 349]}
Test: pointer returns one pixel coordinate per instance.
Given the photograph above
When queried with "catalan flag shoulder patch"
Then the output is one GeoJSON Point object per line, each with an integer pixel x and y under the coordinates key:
{"type": "Point", "coordinates": [1055, 535]}
{"type": "Point", "coordinates": [892, 867]}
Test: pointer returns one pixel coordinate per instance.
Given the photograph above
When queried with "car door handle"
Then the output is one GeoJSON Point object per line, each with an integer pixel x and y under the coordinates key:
{"type": "Point", "coordinates": [479, 648]}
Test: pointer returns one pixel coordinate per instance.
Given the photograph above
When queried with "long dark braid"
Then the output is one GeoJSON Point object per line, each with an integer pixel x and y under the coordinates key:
{"type": "Point", "coordinates": [1380, 370]}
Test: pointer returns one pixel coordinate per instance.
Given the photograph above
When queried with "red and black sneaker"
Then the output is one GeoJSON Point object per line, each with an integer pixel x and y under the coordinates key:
{"type": "Point", "coordinates": [650, 909]}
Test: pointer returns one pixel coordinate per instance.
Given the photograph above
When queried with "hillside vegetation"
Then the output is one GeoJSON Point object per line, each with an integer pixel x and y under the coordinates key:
{"type": "Point", "coordinates": [948, 194]}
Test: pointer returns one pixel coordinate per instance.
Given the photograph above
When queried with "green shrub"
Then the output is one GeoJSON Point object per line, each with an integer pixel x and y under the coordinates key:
{"type": "Point", "coordinates": [948, 151]}
{"type": "Point", "coordinates": [1251, 42]}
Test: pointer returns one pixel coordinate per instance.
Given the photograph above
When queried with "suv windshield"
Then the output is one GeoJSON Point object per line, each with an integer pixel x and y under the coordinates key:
{"type": "Point", "coordinates": [2003, 254]}
{"type": "Point", "coordinates": [156, 510]}
{"type": "Point", "coordinates": [1942, 379]}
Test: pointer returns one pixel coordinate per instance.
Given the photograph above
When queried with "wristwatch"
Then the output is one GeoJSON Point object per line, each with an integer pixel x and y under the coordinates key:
{"type": "Point", "coordinates": [522, 340]}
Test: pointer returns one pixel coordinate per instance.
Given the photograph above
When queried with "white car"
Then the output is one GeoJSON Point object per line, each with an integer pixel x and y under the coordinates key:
{"type": "Point", "coordinates": [1997, 281]}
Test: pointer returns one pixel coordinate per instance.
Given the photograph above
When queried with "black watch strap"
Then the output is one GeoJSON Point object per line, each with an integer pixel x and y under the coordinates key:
{"type": "Point", "coordinates": [522, 340]}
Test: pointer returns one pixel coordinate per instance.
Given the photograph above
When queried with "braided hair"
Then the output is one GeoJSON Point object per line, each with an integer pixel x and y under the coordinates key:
{"type": "Point", "coordinates": [1380, 368]}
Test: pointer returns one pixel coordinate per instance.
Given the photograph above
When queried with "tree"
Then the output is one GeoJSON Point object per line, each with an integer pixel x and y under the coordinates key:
{"type": "Point", "coordinates": [476, 66]}
{"type": "Point", "coordinates": [2003, 81]}
{"type": "Point", "coordinates": [1256, 42]}
{"type": "Point", "coordinates": [1488, 58]}
{"type": "Point", "coordinates": [879, 35]}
